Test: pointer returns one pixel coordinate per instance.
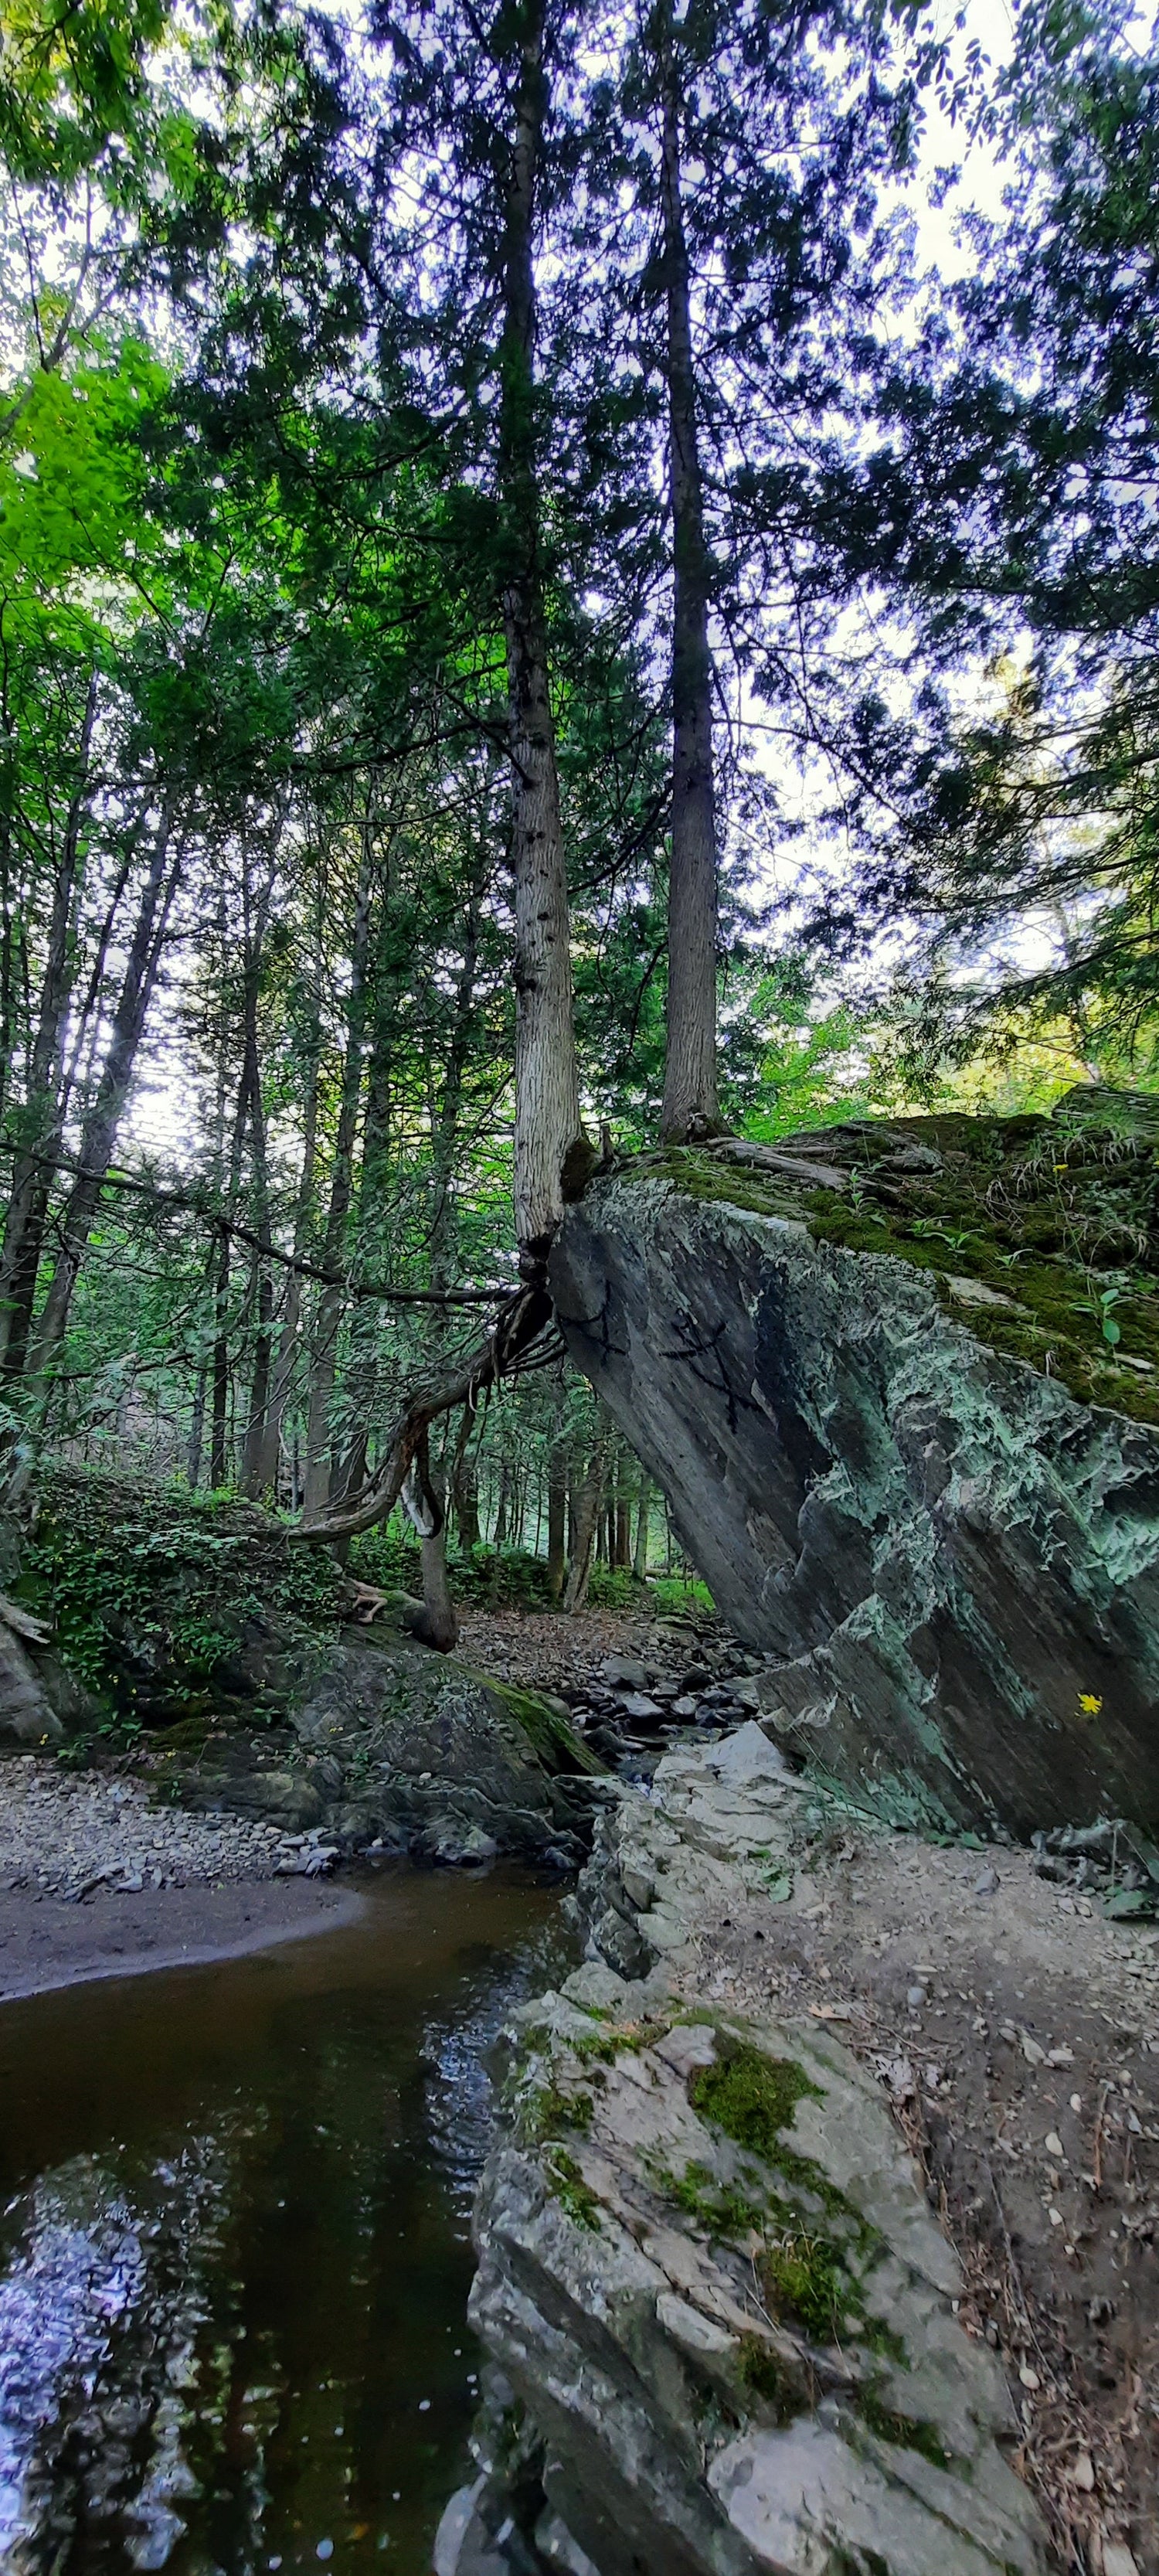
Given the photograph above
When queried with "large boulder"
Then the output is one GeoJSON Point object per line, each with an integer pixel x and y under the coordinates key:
{"type": "Point", "coordinates": [722, 2316]}
{"type": "Point", "coordinates": [923, 1478]}
{"type": "Point", "coordinates": [392, 1744]}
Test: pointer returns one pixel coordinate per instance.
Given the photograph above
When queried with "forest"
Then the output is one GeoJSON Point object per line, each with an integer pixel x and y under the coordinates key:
{"type": "Point", "coordinates": [570, 581]}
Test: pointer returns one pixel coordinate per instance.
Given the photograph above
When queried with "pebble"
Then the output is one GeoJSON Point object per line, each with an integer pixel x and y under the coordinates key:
{"type": "Point", "coordinates": [70, 1833]}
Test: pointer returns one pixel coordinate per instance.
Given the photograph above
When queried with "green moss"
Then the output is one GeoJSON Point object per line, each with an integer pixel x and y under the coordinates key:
{"type": "Point", "coordinates": [751, 2097]}
{"type": "Point", "coordinates": [804, 2278]}
{"type": "Point", "coordinates": [765, 2376]}
{"type": "Point", "coordinates": [571, 2191]}
{"type": "Point", "coordinates": [1054, 1213]}
{"type": "Point", "coordinates": [722, 2209]}
{"type": "Point", "coordinates": [901, 2430]}
{"type": "Point", "coordinates": [551, 1736]}
{"type": "Point", "coordinates": [881, 2338]}
{"type": "Point", "coordinates": [545, 2110]}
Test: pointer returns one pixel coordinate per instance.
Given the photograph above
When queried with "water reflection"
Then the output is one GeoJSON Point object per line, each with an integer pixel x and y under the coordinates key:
{"type": "Point", "coordinates": [234, 2259]}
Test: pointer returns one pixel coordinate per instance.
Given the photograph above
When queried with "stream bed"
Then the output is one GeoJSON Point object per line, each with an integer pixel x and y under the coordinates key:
{"type": "Point", "coordinates": [234, 2241]}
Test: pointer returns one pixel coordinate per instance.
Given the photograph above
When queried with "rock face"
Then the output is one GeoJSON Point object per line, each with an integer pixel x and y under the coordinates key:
{"type": "Point", "coordinates": [951, 1560]}
{"type": "Point", "coordinates": [723, 2315]}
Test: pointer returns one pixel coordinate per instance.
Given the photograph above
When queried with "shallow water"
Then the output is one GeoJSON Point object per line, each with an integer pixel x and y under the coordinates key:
{"type": "Point", "coordinates": [234, 2252]}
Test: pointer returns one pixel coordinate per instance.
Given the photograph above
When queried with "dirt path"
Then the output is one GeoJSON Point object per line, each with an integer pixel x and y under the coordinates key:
{"type": "Point", "coordinates": [1018, 2035]}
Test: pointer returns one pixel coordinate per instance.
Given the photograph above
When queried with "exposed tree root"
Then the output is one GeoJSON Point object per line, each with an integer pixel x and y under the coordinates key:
{"type": "Point", "coordinates": [521, 1323]}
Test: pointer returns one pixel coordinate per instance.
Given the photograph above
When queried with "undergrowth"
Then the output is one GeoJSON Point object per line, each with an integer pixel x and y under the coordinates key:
{"type": "Point", "coordinates": [137, 1578]}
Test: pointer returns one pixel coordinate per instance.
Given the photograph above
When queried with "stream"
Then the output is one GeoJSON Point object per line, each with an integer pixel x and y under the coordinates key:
{"type": "Point", "coordinates": [234, 2241]}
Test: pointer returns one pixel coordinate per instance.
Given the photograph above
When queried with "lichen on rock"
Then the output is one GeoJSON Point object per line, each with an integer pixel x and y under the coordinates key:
{"type": "Point", "coordinates": [936, 1513]}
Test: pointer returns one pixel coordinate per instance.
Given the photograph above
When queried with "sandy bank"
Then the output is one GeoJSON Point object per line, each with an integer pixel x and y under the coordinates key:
{"type": "Point", "coordinates": [47, 1942]}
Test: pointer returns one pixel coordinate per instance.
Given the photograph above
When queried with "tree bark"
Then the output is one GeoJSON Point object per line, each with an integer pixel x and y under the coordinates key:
{"type": "Point", "coordinates": [586, 1523]}
{"type": "Point", "coordinates": [689, 1106]}
{"type": "Point", "coordinates": [557, 1466]}
{"type": "Point", "coordinates": [100, 1128]}
{"type": "Point", "coordinates": [547, 1114]}
{"type": "Point", "coordinates": [330, 1308]}
{"type": "Point", "coordinates": [640, 1559]}
{"type": "Point", "coordinates": [465, 1496]}
{"type": "Point", "coordinates": [289, 1335]}
{"type": "Point", "coordinates": [28, 1201]}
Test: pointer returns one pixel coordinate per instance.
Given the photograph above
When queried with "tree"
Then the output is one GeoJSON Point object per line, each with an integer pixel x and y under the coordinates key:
{"type": "Point", "coordinates": [1010, 507]}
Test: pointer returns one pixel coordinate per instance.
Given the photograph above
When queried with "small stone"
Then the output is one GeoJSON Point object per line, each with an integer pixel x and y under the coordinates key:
{"type": "Point", "coordinates": [986, 1882]}
{"type": "Point", "coordinates": [1034, 2055]}
{"type": "Point", "coordinates": [1029, 2377]}
{"type": "Point", "coordinates": [915, 1996]}
{"type": "Point", "coordinates": [1054, 2145]}
{"type": "Point", "coordinates": [1082, 2475]}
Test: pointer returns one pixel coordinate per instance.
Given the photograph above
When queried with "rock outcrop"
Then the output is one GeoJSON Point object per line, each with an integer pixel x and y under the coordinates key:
{"type": "Point", "coordinates": [721, 2319]}
{"type": "Point", "coordinates": [723, 2314]}
{"type": "Point", "coordinates": [889, 1469]}
{"type": "Point", "coordinates": [392, 1745]}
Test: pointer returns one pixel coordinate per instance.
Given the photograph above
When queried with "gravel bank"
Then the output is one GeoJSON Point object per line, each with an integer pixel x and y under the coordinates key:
{"type": "Point", "coordinates": [65, 1834]}
{"type": "Point", "coordinates": [96, 1881]}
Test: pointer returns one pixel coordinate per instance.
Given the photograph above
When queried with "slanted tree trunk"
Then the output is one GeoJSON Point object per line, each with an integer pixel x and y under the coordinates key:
{"type": "Point", "coordinates": [547, 1115]}
{"type": "Point", "coordinates": [689, 1105]}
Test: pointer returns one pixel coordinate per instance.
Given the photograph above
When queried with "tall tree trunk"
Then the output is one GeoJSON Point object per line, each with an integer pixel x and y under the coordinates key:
{"type": "Point", "coordinates": [547, 1116]}
{"type": "Point", "coordinates": [28, 1202]}
{"type": "Point", "coordinates": [99, 1132]}
{"type": "Point", "coordinates": [220, 1442]}
{"type": "Point", "coordinates": [557, 1463]}
{"type": "Point", "coordinates": [332, 1301]}
{"type": "Point", "coordinates": [288, 1338]}
{"type": "Point", "coordinates": [689, 1105]}
{"type": "Point", "coordinates": [640, 1559]}
{"type": "Point", "coordinates": [196, 1432]}
{"type": "Point", "coordinates": [586, 1522]}
{"type": "Point", "coordinates": [465, 1496]}
{"type": "Point", "coordinates": [259, 1466]}
{"type": "Point", "coordinates": [623, 1556]}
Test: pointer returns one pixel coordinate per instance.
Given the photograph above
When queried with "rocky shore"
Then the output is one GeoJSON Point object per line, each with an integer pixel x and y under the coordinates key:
{"type": "Point", "coordinates": [820, 2232]}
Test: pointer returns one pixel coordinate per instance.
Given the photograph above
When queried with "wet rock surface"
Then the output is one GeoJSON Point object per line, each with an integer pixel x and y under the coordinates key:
{"type": "Point", "coordinates": [949, 1562]}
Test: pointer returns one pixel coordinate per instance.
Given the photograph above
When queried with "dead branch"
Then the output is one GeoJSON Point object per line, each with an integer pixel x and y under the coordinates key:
{"type": "Point", "coordinates": [518, 1325]}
